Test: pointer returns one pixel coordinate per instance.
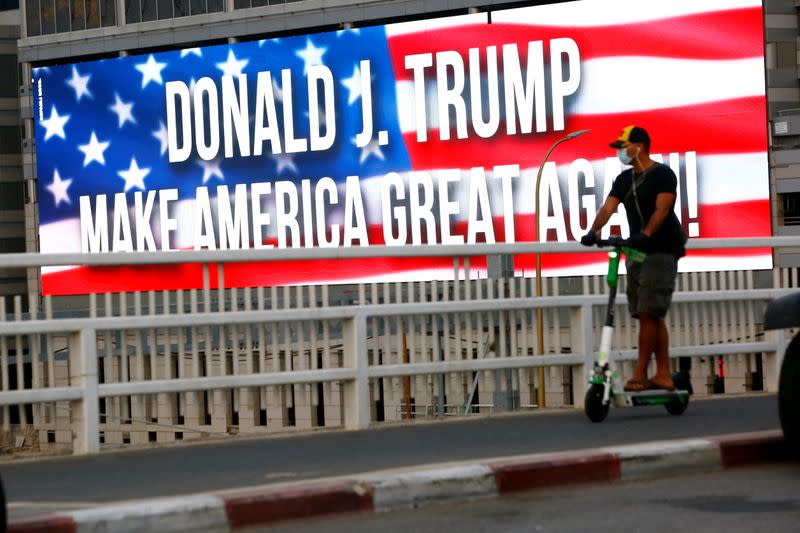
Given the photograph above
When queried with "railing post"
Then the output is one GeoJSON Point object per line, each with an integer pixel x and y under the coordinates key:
{"type": "Point", "coordinates": [773, 360]}
{"type": "Point", "coordinates": [582, 343]}
{"type": "Point", "coordinates": [356, 391]}
{"type": "Point", "coordinates": [83, 374]}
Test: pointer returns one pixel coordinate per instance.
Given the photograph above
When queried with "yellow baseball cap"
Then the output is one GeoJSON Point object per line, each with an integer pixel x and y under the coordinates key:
{"type": "Point", "coordinates": [631, 134]}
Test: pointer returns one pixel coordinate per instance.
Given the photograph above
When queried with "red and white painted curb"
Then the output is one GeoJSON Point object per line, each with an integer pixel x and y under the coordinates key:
{"type": "Point", "coordinates": [232, 510]}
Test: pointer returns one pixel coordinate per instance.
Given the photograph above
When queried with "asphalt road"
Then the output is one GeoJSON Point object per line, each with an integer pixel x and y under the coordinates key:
{"type": "Point", "coordinates": [758, 498]}
{"type": "Point", "coordinates": [36, 487]}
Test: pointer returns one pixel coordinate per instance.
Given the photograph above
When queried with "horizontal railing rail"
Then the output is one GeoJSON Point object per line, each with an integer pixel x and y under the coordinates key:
{"type": "Point", "coordinates": [19, 260]}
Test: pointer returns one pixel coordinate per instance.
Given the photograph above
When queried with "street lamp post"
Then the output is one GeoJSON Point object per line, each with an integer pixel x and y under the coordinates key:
{"type": "Point", "coordinates": [539, 325]}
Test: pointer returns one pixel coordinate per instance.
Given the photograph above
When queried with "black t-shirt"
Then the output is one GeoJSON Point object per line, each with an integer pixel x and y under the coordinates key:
{"type": "Point", "coordinates": [660, 178]}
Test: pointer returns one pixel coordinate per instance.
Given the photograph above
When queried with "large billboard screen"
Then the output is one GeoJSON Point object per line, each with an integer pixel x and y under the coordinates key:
{"type": "Point", "coordinates": [425, 132]}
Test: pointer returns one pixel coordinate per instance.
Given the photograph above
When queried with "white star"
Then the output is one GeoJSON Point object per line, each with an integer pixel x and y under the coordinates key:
{"type": "Point", "coordinates": [93, 151]}
{"type": "Point", "coordinates": [232, 66]}
{"type": "Point", "coordinates": [284, 161]}
{"type": "Point", "coordinates": [211, 169]}
{"type": "Point", "coordinates": [151, 71]}
{"type": "Point", "coordinates": [273, 40]}
{"type": "Point", "coordinates": [372, 148]}
{"type": "Point", "coordinates": [134, 176]}
{"type": "Point", "coordinates": [80, 84]}
{"type": "Point", "coordinates": [196, 51]}
{"type": "Point", "coordinates": [353, 85]}
{"type": "Point", "coordinates": [161, 135]}
{"type": "Point", "coordinates": [59, 189]}
{"type": "Point", "coordinates": [339, 33]}
{"type": "Point", "coordinates": [192, 85]}
{"type": "Point", "coordinates": [55, 124]}
{"type": "Point", "coordinates": [311, 55]}
{"type": "Point", "coordinates": [123, 111]}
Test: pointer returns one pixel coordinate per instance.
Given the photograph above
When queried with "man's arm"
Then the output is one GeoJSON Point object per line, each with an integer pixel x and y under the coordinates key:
{"type": "Point", "coordinates": [608, 209]}
{"type": "Point", "coordinates": [664, 203]}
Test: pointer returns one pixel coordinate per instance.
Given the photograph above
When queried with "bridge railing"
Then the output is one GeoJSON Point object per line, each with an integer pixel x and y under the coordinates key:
{"type": "Point", "coordinates": [163, 366]}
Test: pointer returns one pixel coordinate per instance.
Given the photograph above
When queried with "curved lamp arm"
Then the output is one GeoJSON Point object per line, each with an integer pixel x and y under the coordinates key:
{"type": "Point", "coordinates": [571, 136]}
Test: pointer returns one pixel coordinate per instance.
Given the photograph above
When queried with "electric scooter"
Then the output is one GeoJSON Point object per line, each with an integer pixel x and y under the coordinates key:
{"type": "Point", "coordinates": [605, 387]}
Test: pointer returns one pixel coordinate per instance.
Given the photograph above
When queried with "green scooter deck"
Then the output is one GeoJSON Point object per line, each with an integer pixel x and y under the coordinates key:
{"type": "Point", "coordinates": [654, 397]}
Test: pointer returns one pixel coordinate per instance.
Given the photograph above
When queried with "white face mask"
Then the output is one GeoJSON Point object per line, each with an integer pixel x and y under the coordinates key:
{"type": "Point", "coordinates": [622, 154]}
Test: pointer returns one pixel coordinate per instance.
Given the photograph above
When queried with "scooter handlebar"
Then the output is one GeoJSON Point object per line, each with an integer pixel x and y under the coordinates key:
{"type": "Point", "coordinates": [621, 245]}
{"type": "Point", "coordinates": [614, 241]}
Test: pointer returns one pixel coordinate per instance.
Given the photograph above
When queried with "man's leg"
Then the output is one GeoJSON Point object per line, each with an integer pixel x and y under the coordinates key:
{"type": "Point", "coordinates": [648, 343]}
{"type": "Point", "coordinates": [657, 282]}
{"type": "Point", "coordinates": [663, 377]}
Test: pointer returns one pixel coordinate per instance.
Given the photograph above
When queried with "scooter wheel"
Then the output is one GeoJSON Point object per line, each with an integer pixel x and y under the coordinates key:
{"type": "Point", "coordinates": [593, 405]}
{"type": "Point", "coordinates": [681, 381]}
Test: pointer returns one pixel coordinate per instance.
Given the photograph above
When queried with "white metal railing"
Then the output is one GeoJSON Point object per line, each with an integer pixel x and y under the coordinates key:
{"type": "Point", "coordinates": [355, 252]}
{"type": "Point", "coordinates": [362, 336]}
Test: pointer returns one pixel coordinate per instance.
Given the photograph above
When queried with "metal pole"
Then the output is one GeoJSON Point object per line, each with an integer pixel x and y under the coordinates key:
{"type": "Point", "coordinates": [539, 325]}
{"type": "Point", "coordinates": [406, 379]}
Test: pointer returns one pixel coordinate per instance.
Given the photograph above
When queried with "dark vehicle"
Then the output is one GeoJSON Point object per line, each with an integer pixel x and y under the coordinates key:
{"type": "Point", "coordinates": [3, 513]}
{"type": "Point", "coordinates": [783, 313]}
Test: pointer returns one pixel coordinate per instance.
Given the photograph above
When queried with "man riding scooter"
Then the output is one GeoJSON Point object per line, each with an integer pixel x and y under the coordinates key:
{"type": "Point", "coordinates": [648, 191]}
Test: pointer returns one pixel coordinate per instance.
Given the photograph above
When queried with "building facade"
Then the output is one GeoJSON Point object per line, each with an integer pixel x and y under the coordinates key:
{"type": "Point", "coordinates": [12, 185]}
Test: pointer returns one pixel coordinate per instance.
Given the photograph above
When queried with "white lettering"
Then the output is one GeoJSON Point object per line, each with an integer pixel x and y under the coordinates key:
{"type": "Point", "coordinates": [177, 153]}
{"type": "Point", "coordinates": [121, 238]}
{"type": "Point", "coordinates": [234, 232]}
{"type": "Point", "coordinates": [396, 215]}
{"type": "Point", "coordinates": [354, 206]}
{"type": "Point", "coordinates": [418, 63]}
{"type": "Point", "coordinates": [167, 224]}
{"type": "Point", "coordinates": [94, 230]}
{"type": "Point", "coordinates": [235, 109]}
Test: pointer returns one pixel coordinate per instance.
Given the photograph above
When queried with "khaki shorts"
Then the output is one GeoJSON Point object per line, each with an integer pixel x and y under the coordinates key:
{"type": "Point", "coordinates": [651, 284]}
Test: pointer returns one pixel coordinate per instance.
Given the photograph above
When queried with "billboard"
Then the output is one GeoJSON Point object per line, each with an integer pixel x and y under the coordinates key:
{"type": "Point", "coordinates": [425, 132]}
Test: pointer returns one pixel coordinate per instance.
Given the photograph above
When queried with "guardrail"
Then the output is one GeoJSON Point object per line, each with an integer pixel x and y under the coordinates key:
{"type": "Point", "coordinates": [368, 332]}
{"type": "Point", "coordinates": [356, 252]}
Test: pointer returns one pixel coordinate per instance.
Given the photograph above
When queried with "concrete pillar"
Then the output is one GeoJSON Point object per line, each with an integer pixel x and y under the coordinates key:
{"type": "Point", "coordinates": [582, 343]}
{"type": "Point", "coordinates": [356, 391]}
{"type": "Point", "coordinates": [83, 374]}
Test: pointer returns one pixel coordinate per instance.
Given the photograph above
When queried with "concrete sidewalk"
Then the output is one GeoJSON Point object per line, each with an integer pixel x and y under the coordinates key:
{"type": "Point", "coordinates": [415, 486]}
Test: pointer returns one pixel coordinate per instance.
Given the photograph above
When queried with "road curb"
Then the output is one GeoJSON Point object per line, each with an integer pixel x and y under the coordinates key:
{"type": "Point", "coordinates": [380, 491]}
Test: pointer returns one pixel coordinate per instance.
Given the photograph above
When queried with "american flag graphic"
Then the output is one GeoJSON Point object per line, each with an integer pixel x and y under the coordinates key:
{"type": "Point", "coordinates": [691, 72]}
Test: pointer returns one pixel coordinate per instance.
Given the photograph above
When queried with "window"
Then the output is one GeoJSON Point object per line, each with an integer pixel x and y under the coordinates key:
{"type": "Point", "coordinates": [10, 142]}
{"type": "Point", "coordinates": [9, 85]}
{"type": "Point", "coordinates": [164, 9]}
{"type": "Point", "coordinates": [147, 10]}
{"type": "Point", "coordinates": [12, 245]}
{"type": "Point", "coordinates": [78, 15]}
{"type": "Point", "coordinates": [791, 208]}
{"type": "Point", "coordinates": [92, 14]}
{"type": "Point", "coordinates": [244, 4]}
{"type": "Point", "coordinates": [44, 17]}
{"type": "Point", "coordinates": [11, 195]}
